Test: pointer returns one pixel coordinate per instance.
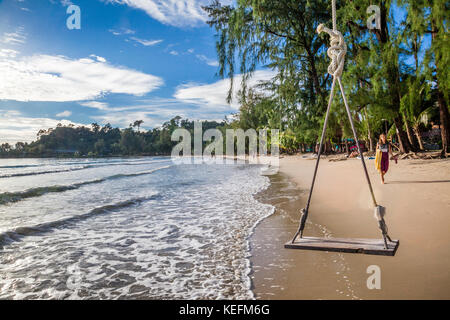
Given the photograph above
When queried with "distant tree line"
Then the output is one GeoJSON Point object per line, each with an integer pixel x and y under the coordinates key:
{"type": "Point", "coordinates": [103, 141]}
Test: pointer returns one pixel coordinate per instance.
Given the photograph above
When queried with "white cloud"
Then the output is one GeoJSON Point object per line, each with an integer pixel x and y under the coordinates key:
{"type": "Point", "coordinates": [99, 59]}
{"type": "Point", "coordinates": [121, 31]}
{"type": "Point", "coordinates": [58, 78]}
{"type": "Point", "coordinates": [64, 114]}
{"type": "Point", "coordinates": [156, 111]}
{"type": "Point", "coordinates": [8, 53]}
{"type": "Point", "coordinates": [66, 3]}
{"type": "Point", "coordinates": [15, 38]}
{"type": "Point", "coordinates": [14, 127]}
{"type": "Point", "coordinates": [149, 105]}
{"type": "Point", "coordinates": [95, 105]}
{"type": "Point", "coordinates": [209, 62]}
{"type": "Point", "coordinates": [196, 102]}
{"type": "Point", "coordinates": [201, 57]}
{"type": "Point", "coordinates": [145, 42]}
{"type": "Point", "coordinates": [179, 13]}
{"type": "Point", "coordinates": [214, 95]}
{"type": "Point", "coordinates": [123, 119]}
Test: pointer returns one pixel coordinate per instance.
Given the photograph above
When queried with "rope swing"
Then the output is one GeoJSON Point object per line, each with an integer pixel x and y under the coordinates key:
{"type": "Point", "coordinates": [336, 52]}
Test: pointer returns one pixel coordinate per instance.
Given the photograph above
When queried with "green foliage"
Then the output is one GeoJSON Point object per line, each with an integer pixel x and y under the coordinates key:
{"type": "Point", "coordinates": [382, 89]}
{"type": "Point", "coordinates": [100, 141]}
{"type": "Point", "coordinates": [281, 35]}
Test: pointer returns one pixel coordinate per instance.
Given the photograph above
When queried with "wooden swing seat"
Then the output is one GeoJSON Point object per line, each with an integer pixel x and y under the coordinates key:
{"type": "Point", "coordinates": [366, 246]}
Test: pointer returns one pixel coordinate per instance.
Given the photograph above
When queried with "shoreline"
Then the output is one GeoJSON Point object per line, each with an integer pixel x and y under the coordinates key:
{"type": "Point", "coordinates": [417, 198]}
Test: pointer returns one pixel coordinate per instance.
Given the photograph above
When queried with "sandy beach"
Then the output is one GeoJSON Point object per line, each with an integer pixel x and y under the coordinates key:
{"type": "Point", "coordinates": [417, 198]}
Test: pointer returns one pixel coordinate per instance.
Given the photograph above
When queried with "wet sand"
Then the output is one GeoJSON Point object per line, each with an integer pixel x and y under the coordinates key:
{"type": "Point", "coordinates": [417, 198]}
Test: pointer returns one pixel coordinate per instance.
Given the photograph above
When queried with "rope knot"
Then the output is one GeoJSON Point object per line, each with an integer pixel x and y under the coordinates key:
{"type": "Point", "coordinates": [336, 52]}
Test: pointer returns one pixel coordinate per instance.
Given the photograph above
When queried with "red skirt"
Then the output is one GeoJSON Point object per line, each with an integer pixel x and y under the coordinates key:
{"type": "Point", "coordinates": [384, 161]}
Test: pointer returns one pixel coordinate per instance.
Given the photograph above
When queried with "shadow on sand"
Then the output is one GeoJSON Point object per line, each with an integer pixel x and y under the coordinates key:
{"type": "Point", "coordinates": [418, 181]}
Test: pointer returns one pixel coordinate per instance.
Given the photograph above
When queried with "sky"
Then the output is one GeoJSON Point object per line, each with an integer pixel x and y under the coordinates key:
{"type": "Point", "coordinates": [130, 60]}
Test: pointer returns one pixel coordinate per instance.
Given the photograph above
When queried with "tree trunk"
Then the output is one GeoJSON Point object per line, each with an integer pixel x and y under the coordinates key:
{"type": "Point", "coordinates": [314, 74]}
{"type": "Point", "coordinates": [409, 132]}
{"type": "Point", "coordinates": [369, 132]}
{"type": "Point", "coordinates": [328, 147]}
{"type": "Point", "coordinates": [419, 137]}
{"type": "Point", "coordinates": [445, 123]}
{"type": "Point", "coordinates": [402, 137]}
{"type": "Point", "coordinates": [443, 109]}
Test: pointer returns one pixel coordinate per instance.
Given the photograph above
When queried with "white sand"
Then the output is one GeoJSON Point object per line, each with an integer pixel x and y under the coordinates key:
{"type": "Point", "coordinates": [417, 198]}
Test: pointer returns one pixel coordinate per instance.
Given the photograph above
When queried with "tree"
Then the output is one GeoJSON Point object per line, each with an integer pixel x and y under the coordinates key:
{"type": "Point", "coordinates": [430, 17]}
{"type": "Point", "coordinates": [5, 148]}
{"type": "Point", "coordinates": [95, 127]}
{"type": "Point", "coordinates": [99, 147]}
{"type": "Point", "coordinates": [416, 104]}
{"type": "Point", "coordinates": [282, 36]}
{"type": "Point", "coordinates": [20, 146]}
{"type": "Point", "coordinates": [138, 124]}
{"type": "Point", "coordinates": [107, 128]}
{"type": "Point", "coordinates": [383, 70]}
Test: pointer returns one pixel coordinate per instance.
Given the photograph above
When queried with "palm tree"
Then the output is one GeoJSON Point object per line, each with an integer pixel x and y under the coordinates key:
{"type": "Point", "coordinates": [96, 127]}
{"type": "Point", "coordinates": [416, 105]}
{"type": "Point", "coordinates": [138, 123]}
{"type": "Point", "coordinates": [6, 147]}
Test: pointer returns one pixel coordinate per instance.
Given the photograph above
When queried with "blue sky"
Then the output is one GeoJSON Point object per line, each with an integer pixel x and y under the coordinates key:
{"type": "Point", "coordinates": [131, 60]}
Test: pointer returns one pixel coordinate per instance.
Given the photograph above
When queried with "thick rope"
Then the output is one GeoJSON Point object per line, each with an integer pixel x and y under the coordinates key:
{"type": "Point", "coordinates": [333, 11]}
{"type": "Point", "coordinates": [336, 53]}
{"type": "Point", "coordinates": [338, 49]}
{"type": "Point", "coordinates": [305, 211]}
{"type": "Point", "coordinates": [357, 142]}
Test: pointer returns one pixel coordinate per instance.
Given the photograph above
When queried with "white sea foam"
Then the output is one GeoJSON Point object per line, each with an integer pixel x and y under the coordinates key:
{"type": "Point", "coordinates": [188, 239]}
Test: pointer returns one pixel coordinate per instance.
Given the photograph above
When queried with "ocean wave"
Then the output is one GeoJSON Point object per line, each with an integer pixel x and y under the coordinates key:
{"type": "Point", "coordinates": [80, 162]}
{"type": "Point", "coordinates": [11, 197]}
{"type": "Point", "coordinates": [20, 232]}
{"type": "Point", "coordinates": [87, 166]}
{"type": "Point", "coordinates": [17, 166]}
{"type": "Point", "coordinates": [24, 174]}
{"type": "Point", "coordinates": [191, 242]}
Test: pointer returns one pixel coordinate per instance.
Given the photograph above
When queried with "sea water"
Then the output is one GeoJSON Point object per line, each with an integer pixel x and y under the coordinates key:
{"type": "Point", "coordinates": [132, 228]}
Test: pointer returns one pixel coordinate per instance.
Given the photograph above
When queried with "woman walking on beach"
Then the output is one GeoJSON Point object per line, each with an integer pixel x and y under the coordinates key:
{"type": "Point", "coordinates": [385, 149]}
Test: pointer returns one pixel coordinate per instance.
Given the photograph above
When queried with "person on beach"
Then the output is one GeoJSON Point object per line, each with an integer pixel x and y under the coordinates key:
{"type": "Point", "coordinates": [384, 147]}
